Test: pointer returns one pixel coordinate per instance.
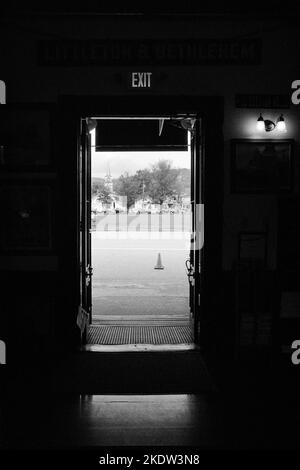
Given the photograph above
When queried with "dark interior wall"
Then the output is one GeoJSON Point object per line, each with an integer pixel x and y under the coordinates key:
{"type": "Point", "coordinates": [28, 82]}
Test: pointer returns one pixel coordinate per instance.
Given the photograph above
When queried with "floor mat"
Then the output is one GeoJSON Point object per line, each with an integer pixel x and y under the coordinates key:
{"type": "Point", "coordinates": [117, 335]}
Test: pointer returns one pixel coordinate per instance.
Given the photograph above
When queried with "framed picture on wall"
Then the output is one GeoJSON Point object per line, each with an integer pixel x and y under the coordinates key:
{"type": "Point", "coordinates": [261, 166]}
{"type": "Point", "coordinates": [27, 208]}
{"type": "Point", "coordinates": [25, 137]}
{"type": "Point", "coordinates": [252, 249]}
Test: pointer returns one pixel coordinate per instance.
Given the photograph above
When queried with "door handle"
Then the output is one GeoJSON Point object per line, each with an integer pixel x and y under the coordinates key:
{"type": "Point", "coordinates": [188, 265]}
{"type": "Point", "coordinates": [89, 271]}
{"type": "Point", "coordinates": [88, 275]}
{"type": "Point", "coordinates": [190, 271]}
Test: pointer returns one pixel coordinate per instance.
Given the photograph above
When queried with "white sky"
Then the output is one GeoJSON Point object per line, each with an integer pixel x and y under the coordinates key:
{"type": "Point", "coordinates": [121, 162]}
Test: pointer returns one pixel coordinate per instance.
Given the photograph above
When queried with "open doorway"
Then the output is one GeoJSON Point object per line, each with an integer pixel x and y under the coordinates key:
{"type": "Point", "coordinates": [140, 204]}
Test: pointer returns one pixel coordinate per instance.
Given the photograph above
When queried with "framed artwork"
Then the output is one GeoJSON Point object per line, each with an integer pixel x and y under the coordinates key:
{"type": "Point", "coordinates": [28, 212]}
{"type": "Point", "coordinates": [290, 304]}
{"type": "Point", "coordinates": [253, 248]}
{"type": "Point", "coordinates": [261, 166]}
{"type": "Point", "coordinates": [25, 137]}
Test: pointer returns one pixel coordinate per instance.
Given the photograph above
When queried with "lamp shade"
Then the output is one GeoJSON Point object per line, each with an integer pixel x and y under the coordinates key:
{"type": "Point", "coordinates": [260, 123]}
{"type": "Point", "coordinates": [281, 126]}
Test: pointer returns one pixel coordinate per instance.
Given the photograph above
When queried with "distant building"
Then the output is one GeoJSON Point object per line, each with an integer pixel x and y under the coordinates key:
{"type": "Point", "coordinates": [108, 181]}
{"type": "Point", "coordinates": [116, 203]}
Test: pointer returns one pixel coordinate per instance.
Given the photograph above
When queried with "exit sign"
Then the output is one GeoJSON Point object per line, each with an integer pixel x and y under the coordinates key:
{"type": "Point", "coordinates": [141, 80]}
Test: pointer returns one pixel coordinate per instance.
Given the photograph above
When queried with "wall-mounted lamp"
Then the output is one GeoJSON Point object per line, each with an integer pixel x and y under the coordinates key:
{"type": "Point", "coordinates": [91, 124]}
{"type": "Point", "coordinates": [268, 125]}
{"type": "Point", "coordinates": [186, 123]}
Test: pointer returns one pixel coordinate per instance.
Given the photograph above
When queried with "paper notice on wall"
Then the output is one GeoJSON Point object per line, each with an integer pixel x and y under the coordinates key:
{"type": "Point", "coordinates": [2, 352]}
{"type": "Point", "coordinates": [82, 318]}
{"type": "Point", "coordinates": [2, 92]}
{"type": "Point", "coordinates": [290, 305]}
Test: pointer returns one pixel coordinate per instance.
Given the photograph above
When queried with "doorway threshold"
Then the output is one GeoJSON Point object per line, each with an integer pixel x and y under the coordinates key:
{"type": "Point", "coordinates": [115, 335]}
{"type": "Point", "coordinates": [139, 347]}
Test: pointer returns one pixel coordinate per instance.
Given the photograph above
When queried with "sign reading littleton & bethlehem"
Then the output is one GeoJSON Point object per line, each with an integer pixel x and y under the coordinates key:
{"type": "Point", "coordinates": [149, 52]}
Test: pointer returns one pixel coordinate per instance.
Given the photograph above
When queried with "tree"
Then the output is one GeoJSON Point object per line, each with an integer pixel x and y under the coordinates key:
{"type": "Point", "coordinates": [164, 182]}
{"type": "Point", "coordinates": [159, 183]}
{"type": "Point", "coordinates": [142, 179]}
{"type": "Point", "coordinates": [102, 191]}
{"type": "Point", "coordinates": [184, 183]}
{"type": "Point", "coordinates": [126, 185]}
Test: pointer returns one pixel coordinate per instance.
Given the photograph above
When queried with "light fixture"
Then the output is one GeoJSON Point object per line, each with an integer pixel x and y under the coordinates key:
{"type": "Point", "coordinates": [91, 124]}
{"type": "Point", "coordinates": [188, 123]}
{"type": "Point", "coordinates": [281, 126]}
{"type": "Point", "coordinates": [268, 125]}
{"type": "Point", "coordinates": [260, 125]}
{"type": "Point", "coordinates": [185, 123]}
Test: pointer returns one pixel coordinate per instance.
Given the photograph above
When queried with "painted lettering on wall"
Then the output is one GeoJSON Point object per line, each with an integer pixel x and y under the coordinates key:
{"type": "Point", "coordinates": [262, 101]}
{"type": "Point", "coordinates": [150, 52]}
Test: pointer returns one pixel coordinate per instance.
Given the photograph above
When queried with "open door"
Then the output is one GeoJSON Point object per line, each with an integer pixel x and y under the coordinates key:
{"type": "Point", "coordinates": [86, 271]}
{"type": "Point", "coordinates": [197, 227]}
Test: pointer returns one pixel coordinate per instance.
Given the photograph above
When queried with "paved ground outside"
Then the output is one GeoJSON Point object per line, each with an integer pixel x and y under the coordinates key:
{"type": "Point", "coordinates": [125, 283]}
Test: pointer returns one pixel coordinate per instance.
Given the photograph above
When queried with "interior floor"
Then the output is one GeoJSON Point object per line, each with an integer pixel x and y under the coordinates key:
{"type": "Point", "coordinates": [252, 412]}
{"type": "Point", "coordinates": [157, 371]}
{"type": "Point", "coordinates": [127, 420]}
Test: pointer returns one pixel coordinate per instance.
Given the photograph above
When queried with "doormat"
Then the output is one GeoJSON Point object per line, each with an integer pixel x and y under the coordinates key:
{"type": "Point", "coordinates": [117, 335]}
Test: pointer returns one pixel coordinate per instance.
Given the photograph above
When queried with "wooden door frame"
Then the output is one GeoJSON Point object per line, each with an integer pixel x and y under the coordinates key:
{"type": "Point", "coordinates": [211, 111]}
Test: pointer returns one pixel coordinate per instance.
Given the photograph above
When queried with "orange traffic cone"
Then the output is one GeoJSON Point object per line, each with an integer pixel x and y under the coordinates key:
{"type": "Point", "coordinates": [159, 263]}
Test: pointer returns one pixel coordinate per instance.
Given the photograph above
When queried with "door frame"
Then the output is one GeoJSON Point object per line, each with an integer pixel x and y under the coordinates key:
{"type": "Point", "coordinates": [211, 111]}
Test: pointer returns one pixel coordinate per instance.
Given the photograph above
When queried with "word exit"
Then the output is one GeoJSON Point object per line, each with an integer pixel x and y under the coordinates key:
{"type": "Point", "coordinates": [141, 79]}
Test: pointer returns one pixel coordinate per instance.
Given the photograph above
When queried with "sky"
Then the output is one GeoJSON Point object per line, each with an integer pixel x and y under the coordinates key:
{"type": "Point", "coordinates": [121, 162]}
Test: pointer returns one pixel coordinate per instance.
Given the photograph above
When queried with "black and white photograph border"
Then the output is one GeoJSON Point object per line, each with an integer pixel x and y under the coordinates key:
{"type": "Point", "coordinates": [149, 307]}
